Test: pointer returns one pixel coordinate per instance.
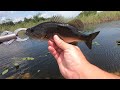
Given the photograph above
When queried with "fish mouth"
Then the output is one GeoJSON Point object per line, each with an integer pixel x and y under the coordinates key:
{"type": "Point", "coordinates": [34, 35]}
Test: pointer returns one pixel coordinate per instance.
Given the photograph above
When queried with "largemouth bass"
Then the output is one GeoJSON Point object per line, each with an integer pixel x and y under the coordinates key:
{"type": "Point", "coordinates": [70, 32]}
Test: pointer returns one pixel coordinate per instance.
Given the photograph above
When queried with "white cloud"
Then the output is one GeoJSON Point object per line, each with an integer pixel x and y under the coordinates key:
{"type": "Point", "coordinates": [20, 15]}
{"type": "Point", "coordinates": [63, 13]}
{"type": "Point", "coordinates": [32, 11]}
{"type": "Point", "coordinates": [12, 12]}
{"type": "Point", "coordinates": [3, 18]}
{"type": "Point", "coordinates": [47, 14]}
{"type": "Point", "coordinates": [29, 16]}
{"type": "Point", "coordinates": [18, 19]}
{"type": "Point", "coordinates": [6, 12]}
{"type": "Point", "coordinates": [69, 13]}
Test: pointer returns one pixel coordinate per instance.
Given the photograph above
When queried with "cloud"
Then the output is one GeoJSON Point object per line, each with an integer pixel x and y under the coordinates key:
{"type": "Point", "coordinates": [6, 13]}
{"type": "Point", "coordinates": [3, 18]}
{"type": "Point", "coordinates": [12, 12]}
{"type": "Point", "coordinates": [69, 13]}
{"type": "Point", "coordinates": [20, 15]}
{"type": "Point", "coordinates": [29, 16]}
{"type": "Point", "coordinates": [18, 19]}
{"type": "Point", "coordinates": [47, 14]}
{"type": "Point", "coordinates": [63, 13]}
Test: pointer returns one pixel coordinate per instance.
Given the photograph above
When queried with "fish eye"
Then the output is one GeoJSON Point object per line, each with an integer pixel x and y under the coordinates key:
{"type": "Point", "coordinates": [32, 30]}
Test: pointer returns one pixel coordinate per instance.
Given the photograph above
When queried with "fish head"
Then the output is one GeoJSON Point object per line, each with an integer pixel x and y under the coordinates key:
{"type": "Point", "coordinates": [36, 32]}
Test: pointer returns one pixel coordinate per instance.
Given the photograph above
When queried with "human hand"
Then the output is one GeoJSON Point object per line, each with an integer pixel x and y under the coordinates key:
{"type": "Point", "coordinates": [69, 57]}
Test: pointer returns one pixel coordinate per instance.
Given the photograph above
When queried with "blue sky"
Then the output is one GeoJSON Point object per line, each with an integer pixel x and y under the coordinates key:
{"type": "Point", "coordinates": [20, 15]}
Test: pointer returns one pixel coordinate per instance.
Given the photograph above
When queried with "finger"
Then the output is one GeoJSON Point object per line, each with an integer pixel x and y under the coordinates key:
{"type": "Point", "coordinates": [51, 43]}
{"type": "Point", "coordinates": [53, 52]}
{"type": "Point", "coordinates": [60, 43]}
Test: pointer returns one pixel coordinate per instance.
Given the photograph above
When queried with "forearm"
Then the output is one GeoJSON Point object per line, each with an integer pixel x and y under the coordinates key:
{"type": "Point", "coordinates": [92, 72]}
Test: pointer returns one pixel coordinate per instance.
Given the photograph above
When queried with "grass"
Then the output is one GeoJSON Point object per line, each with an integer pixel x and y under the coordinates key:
{"type": "Point", "coordinates": [16, 26]}
{"type": "Point", "coordinates": [105, 16]}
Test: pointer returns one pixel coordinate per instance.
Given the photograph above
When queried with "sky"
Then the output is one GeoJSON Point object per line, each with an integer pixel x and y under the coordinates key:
{"type": "Point", "coordinates": [20, 15]}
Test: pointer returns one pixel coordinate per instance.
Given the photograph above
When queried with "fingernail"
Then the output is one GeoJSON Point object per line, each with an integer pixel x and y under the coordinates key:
{"type": "Point", "coordinates": [56, 37]}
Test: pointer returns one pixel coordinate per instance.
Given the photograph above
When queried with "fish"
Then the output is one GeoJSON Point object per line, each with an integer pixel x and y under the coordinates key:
{"type": "Point", "coordinates": [70, 32]}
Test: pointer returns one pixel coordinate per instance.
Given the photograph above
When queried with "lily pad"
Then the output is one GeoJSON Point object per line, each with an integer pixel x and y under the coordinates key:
{"type": "Point", "coordinates": [16, 64]}
{"type": "Point", "coordinates": [5, 71]}
{"type": "Point", "coordinates": [28, 58]}
{"type": "Point", "coordinates": [23, 58]}
{"type": "Point", "coordinates": [95, 43]}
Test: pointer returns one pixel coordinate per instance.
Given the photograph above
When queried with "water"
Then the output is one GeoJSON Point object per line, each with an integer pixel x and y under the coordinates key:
{"type": "Point", "coordinates": [105, 56]}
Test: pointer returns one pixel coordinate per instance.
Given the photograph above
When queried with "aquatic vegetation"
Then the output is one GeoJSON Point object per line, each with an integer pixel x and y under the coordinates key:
{"type": "Point", "coordinates": [16, 65]}
{"type": "Point", "coordinates": [11, 77]}
{"type": "Point", "coordinates": [101, 17]}
{"type": "Point", "coordinates": [28, 58]}
{"type": "Point", "coordinates": [5, 71]}
{"type": "Point", "coordinates": [19, 60]}
{"type": "Point", "coordinates": [16, 62]}
{"type": "Point", "coordinates": [95, 43]}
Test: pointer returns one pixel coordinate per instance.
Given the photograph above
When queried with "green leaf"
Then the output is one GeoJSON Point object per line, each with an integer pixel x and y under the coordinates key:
{"type": "Point", "coordinates": [95, 43]}
{"type": "Point", "coordinates": [5, 71]}
{"type": "Point", "coordinates": [23, 58]}
{"type": "Point", "coordinates": [28, 58]}
{"type": "Point", "coordinates": [16, 64]}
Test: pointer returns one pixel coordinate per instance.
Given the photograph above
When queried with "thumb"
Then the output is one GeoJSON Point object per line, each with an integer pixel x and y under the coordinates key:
{"type": "Point", "coordinates": [60, 43]}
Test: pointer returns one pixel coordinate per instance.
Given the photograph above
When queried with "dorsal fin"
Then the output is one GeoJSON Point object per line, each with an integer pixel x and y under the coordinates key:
{"type": "Point", "coordinates": [59, 19]}
{"type": "Point", "coordinates": [77, 23]}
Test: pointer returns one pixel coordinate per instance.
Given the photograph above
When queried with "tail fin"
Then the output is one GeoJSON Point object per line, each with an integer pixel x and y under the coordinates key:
{"type": "Point", "coordinates": [90, 38]}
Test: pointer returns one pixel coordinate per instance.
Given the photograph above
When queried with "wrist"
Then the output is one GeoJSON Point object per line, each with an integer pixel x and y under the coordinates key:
{"type": "Point", "coordinates": [85, 71]}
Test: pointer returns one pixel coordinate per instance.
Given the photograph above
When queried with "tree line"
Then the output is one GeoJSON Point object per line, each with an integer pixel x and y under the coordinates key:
{"type": "Point", "coordinates": [38, 18]}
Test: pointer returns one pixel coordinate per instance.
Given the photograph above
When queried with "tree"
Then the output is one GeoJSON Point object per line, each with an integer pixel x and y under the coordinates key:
{"type": "Point", "coordinates": [38, 18]}
{"type": "Point", "coordinates": [26, 19]}
{"type": "Point", "coordinates": [8, 22]}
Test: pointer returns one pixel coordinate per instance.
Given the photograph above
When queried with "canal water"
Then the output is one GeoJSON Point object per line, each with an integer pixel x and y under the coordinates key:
{"type": "Point", "coordinates": [105, 54]}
